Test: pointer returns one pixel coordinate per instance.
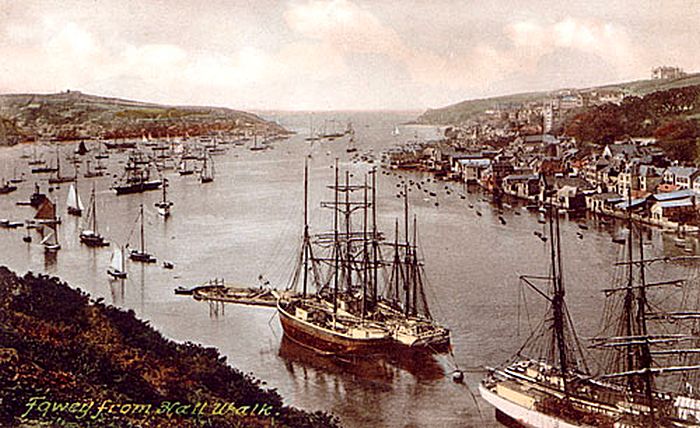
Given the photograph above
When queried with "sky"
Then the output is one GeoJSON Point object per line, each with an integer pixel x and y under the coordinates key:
{"type": "Point", "coordinates": [337, 54]}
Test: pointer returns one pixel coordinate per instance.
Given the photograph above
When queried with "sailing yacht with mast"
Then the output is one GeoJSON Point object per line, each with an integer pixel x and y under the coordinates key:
{"type": "Point", "coordinates": [207, 172]}
{"type": "Point", "coordinates": [164, 205]}
{"type": "Point", "coordinates": [558, 390]}
{"type": "Point", "coordinates": [116, 267]}
{"type": "Point", "coordinates": [50, 241]}
{"type": "Point", "coordinates": [58, 178]}
{"type": "Point", "coordinates": [73, 202]}
{"type": "Point", "coordinates": [140, 254]}
{"type": "Point", "coordinates": [90, 235]}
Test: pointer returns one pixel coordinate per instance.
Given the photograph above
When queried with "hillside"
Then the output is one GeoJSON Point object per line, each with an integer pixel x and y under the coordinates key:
{"type": "Point", "coordinates": [67, 360]}
{"type": "Point", "coordinates": [74, 115]}
{"type": "Point", "coordinates": [465, 110]}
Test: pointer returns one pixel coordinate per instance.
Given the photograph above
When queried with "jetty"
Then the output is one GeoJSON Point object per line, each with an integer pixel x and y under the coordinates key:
{"type": "Point", "coordinates": [216, 290]}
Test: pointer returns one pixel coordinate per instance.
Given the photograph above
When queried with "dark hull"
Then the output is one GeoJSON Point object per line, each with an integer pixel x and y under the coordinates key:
{"type": "Point", "coordinates": [137, 188]}
{"type": "Point", "coordinates": [94, 241]}
{"type": "Point", "coordinates": [142, 257]}
{"type": "Point", "coordinates": [325, 341]}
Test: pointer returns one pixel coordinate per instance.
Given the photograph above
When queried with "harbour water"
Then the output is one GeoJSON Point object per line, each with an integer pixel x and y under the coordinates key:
{"type": "Point", "coordinates": [245, 227]}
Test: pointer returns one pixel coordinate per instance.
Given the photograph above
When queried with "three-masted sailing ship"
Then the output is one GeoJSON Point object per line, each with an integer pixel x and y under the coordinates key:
{"type": "Point", "coordinates": [90, 235]}
{"type": "Point", "coordinates": [136, 177]}
{"type": "Point", "coordinates": [346, 312]}
{"type": "Point", "coordinates": [642, 344]}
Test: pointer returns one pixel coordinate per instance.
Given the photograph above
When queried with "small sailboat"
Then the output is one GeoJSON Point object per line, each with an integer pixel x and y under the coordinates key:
{"type": "Point", "coordinates": [90, 235]}
{"type": "Point", "coordinates": [257, 147]}
{"type": "Point", "coordinates": [46, 214]}
{"type": "Point", "coordinates": [207, 173]}
{"type": "Point", "coordinates": [140, 255]}
{"type": "Point", "coordinates": [116, 267]}
{"type": "Point", "coordinates": [81, 149]}
{"type": "Point", "coordinates": [75, 205]}
{"type": "Point", "coordinates": [58, 179]}
{"type": "Point", "coordinates": [184, 169]}
{"type": "Point", "coordinates": [164, 205]}
{"type": "Point", "coordinates": [396, 131]}
{"type": "Point", "coordinates": [50, 241]}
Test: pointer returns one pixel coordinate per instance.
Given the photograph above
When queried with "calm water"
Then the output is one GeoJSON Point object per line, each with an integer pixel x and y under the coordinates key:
{"type": "Point", "coordinates": [247, 223]}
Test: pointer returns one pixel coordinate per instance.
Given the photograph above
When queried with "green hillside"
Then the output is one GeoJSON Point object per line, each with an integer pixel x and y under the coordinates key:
{"type": "Point", "coordinates": [465, 110]}
{"type": "Point", "coordinates": [73, 115]}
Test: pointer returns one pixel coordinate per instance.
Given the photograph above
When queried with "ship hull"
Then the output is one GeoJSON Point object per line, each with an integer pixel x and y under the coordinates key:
{"type": "Point", "coordinates": [326, 341]}
{"type": "Point", "coordinates": [514, 415]}
{"type": "Point", "coordinates": [137, 188]}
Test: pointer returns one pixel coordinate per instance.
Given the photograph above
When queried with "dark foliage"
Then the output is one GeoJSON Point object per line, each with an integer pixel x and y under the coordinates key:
{"type": "Point", "coordinates": [55, 342]}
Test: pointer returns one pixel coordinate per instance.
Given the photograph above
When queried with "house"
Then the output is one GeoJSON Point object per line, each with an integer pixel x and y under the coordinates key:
{"type": "Point", "coordinates": [603, 203]}
{"type": "Point", "coordinates": [681, 176]}
{"type": "Point", "coordinates": [649, 177]}
{"type": "Point", "coordinates": [679, 211]}
{"type": "Point", "coordinates": [471, 170]}
{"type": "Point", "coordinates": [526, 186]}
{"type": "Point", "coordinates": [570, 192]}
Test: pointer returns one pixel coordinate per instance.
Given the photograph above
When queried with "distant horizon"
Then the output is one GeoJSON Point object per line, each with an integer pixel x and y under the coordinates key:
{"type": "Point", "coordinates": [332, 110]}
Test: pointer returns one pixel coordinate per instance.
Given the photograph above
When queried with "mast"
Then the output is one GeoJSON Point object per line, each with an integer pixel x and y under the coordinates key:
{"type": "Point", "coordinates": [645, 354]}
{"type": "Point", "coordinates": [414, 266]}
{"type": "Point", "coordinates": [94, 210]}
{"type": "Point", "coordinates": [375, 243]}
{"type": "Point", "coordinates": [306, 226]}
{"type": "Point", "coordinates": [335, 245]}
{"type": "Point", "coordinates": [348, 213]}
{"type": "Point", "coordinates": [407, 286]}
{"type": "Point", "coordinates": [143, 249]}
{"type": "Point", "coordinates": [558, 298]}
{"type": "Point", "coordinates": [365, 254]}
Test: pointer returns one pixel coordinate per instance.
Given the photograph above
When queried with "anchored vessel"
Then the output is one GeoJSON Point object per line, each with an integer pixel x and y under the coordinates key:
{"type": "Point", "coordinates": [136, 178]}
{"type": "Point", "coordinates": [116, 267]}
{"type": "Point", "coordinates": [90, 236]}
{"type": "Point", "coordinates": [140, 254]}
{"type": "Point", "coordinates": [165, 204]}
{"type": "Point", "coordinates": [347, 313]}
{"type": "Point", "coordinates": [73, 202]}
{"type": "Point", "coordinates": [557, 389]}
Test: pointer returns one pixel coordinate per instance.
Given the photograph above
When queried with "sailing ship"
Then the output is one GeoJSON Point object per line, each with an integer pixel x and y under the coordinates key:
{"type": "Point", "coordinates": [184, 168]}
{"type": "Point", "coordinates": [90, 173]}
{"type": "Point", "coordinates": [73, 202]}
{"type": "Point", "coordinates": [46, 214]}
{"type": "Point", "coordinates": [207, 172]}
{"type": "Point", "coordinates": [351, 148]}
{"type": "Point", "coordinates": [15, 178]}
{"type": "Point", "coordinates": [136, 178]}
{"type": "Point", "coordinates": [116, 267]}
{"type": "Point", "coordinates": [140, 254]}
{"type": "Point", "coordinates": [58, 178]}
{"type": "Point", "coordinates": [396, 132]}
{"type": "Point", "coordinates": [257, 147]}
{"type": "Point", "coordinates": [50, 241]}
{"type": "Point", "coordinates": [90, 235]}
{"type": "Point", "coordinates": [164, 205]}
{"type": "Point", "coordinates": [557, 389]}
{"type": "Point", "coordinates": [346, 314]}
{"type": "Point", "coordinates": [81, 149]}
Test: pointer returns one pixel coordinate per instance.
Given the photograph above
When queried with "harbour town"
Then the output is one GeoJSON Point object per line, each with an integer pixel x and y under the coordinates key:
{"type": "Point", "coordinates": [194, 236]}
